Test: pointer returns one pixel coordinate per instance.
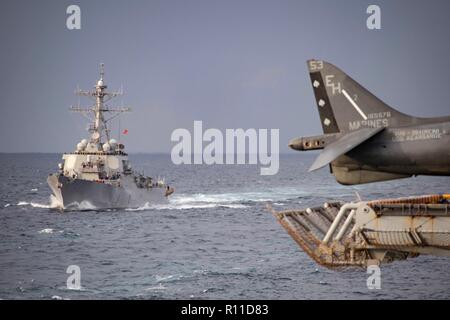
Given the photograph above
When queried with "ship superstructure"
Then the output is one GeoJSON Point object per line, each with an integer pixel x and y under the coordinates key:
{"type": "Point", "coordinates": [98, 172]}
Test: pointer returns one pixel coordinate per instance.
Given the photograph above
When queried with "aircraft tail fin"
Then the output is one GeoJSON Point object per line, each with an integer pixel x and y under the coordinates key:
{"type": "Point", "coordinates": [344, 105]}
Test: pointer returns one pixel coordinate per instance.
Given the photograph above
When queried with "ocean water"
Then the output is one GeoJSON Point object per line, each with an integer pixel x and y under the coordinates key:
{"type": "Point", "coordinates": [214, 239]}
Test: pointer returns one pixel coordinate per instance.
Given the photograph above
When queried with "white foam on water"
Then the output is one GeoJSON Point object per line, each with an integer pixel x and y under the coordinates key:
{"type": "Point", "coordinates": [158, 287]}
{"type": "Point", "coordinates": [55, 203]}
{"type": "Point", "coordinates": [168, 278]}
{"type": "Point", "coordinates": [39, 205]}
{"type": "Point", "coordinates": [83, 205]}
{"type": "Point", "coordinates": [171, 206]}
{"type": "Point", "coordinates": [33, 204]}
{"type": "Point", "coordinates": [86, 205]}
{"type": "Point", "coordinates": [65, 288]}
{"type": "Point", "coordinates": [160, 279]}
{"type": "Point", "coordinates": [234, 206]}
{"type": "Point", "coordinates": [233, 200]}
{"type": "Point", "coordinates": [275, 194]}
{"type": "Point", "coordinates": [46, 230]}
{"type": "Point", "coordinates": [7, 205]}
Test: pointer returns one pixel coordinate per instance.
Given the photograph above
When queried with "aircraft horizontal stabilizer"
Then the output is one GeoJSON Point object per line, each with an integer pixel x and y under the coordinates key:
{"type": "Point", "coordinates": [343, 145]}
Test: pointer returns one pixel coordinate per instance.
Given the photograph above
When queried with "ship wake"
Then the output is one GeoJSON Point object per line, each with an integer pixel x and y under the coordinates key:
{"type": "Point", "coordinates": [230, 200]}
{"type": "Point", "coordinates": [233, 200]}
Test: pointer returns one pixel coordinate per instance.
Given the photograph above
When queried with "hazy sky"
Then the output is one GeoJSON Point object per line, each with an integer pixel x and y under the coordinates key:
{"type": "Point", "coordinates": [232, 64]}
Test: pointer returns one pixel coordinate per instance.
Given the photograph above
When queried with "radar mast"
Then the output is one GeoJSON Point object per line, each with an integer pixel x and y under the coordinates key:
{"type": "Point", "coordinates": [98, 127]}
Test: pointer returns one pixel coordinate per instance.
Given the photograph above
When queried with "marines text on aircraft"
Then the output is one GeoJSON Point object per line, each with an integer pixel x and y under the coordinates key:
{"type": "Point", "coordinates": [98, 173]}
{"type": "Point", "coordinates": [365, 140]}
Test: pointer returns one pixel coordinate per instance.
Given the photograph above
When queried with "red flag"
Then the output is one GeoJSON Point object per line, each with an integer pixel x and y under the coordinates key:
{"type": "Point", "coordinates": [125, 131]}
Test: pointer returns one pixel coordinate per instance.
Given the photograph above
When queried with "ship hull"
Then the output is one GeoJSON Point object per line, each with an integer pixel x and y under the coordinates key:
{"type": "Point", "coordinates": [91, 195]}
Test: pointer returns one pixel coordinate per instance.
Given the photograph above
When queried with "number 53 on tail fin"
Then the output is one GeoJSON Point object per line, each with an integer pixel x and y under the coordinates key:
{"type": "Point", "coordinates": [364, 139]}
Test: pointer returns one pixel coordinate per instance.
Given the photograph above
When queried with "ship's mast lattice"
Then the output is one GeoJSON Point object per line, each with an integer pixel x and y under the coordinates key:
{"type": "Point", "coordinates": [98, 127]}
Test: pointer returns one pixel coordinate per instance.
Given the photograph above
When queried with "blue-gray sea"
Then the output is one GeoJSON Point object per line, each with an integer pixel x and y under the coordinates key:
{"type": "Point", "coordinates": [214, 239]}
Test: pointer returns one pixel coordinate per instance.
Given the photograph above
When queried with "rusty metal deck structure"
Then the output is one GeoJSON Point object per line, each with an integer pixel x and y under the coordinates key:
{"type": "Point", "coordinates": [357, 234]}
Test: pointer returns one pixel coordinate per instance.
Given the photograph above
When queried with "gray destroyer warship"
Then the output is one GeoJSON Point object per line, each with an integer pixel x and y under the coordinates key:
{"type": "Point", "coordinates": [98, 175]}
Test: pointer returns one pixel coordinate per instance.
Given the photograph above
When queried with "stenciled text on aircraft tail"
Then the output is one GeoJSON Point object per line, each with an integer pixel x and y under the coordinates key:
{"type": "Point", "coordinates": [344, 105]}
